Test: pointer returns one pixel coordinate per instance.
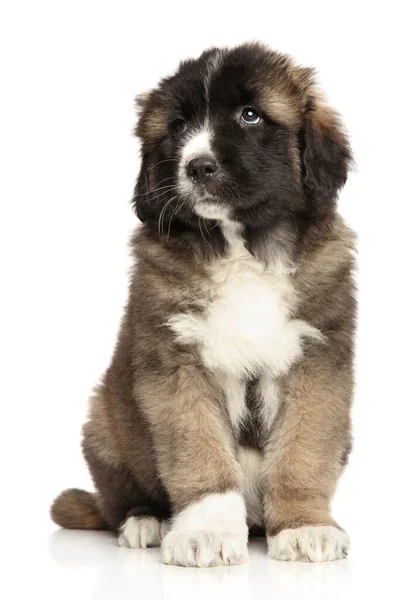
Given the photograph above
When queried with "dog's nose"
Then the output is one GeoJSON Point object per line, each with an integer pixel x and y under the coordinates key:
{"type": "Point", "coordinates": [202, 168]}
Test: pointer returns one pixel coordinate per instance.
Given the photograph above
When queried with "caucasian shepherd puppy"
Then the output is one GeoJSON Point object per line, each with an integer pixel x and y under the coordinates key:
{"type": "Point", "coordinates": [226, 404]}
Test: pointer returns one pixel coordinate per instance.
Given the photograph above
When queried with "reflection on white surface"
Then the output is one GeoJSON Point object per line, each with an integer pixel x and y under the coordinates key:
{"type": "Point", "coordinates": [123, 573]}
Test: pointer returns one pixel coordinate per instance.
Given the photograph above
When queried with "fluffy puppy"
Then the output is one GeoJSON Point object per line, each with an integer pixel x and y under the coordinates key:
{"type": "Point", "coordinates": [226, 404]}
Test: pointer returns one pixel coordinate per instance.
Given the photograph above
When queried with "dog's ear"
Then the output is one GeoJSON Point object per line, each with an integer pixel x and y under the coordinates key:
{"type": "Point", "coordinates": [144, 208]}
{"type": "Point", "coordinates": [326, 153]}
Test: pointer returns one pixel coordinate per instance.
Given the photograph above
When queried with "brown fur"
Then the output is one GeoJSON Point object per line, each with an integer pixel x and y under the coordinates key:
{"type": "Point", "coordinates": [286, 93]}
{"type": "Point", "coordinates": [154, 124]}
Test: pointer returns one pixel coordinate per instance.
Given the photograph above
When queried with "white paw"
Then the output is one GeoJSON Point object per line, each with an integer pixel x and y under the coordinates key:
{"type": "Point", "coordinates": [142, 532]}
{"type": "Point", "coordinates": [211, 532]}
{"type": "Point", "coordinates": [204, 549]}
{"type": "Point", "coordinates": [309, 544]}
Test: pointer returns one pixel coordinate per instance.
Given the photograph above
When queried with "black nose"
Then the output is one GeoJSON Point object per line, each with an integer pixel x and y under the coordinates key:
{"type": "Point", "coordinates": [202, 168]}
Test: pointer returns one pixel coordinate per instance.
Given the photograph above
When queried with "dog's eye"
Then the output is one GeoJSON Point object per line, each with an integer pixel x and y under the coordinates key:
{"type": "Point", "coordinates": [250, 116]}
{"type": "Point", "coordinates": [180, 126]}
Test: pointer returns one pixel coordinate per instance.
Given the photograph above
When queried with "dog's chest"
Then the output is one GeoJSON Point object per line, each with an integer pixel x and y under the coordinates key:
{"type": "Point", "coordinates": [246, 326]}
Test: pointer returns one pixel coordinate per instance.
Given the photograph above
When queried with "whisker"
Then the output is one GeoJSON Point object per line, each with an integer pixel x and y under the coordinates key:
{"type": "Point", "coordinates": [202, 235]}
{"type": "Point", "coordinates": [205, 225]}
{"type": "Point", "coordinates": [169, 189]}
{"type": "Point", "coordinates": [174, 213]}
{"type": "Point", "coordinates": [162, 214]}
{"type": "Point", "coordinates": [216, 224]}
{"type": "Point", "coordinates": [163, 161]}
{"type": "Point", "coordinates": [233, 191]}
{"type": "Point", "coordinates": [156, 189]}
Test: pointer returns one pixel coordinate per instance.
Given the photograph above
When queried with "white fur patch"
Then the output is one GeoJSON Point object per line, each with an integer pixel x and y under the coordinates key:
{"type": "Point", "coordinates": [309, 544]}
{"type": "Point", "coordinates": [209, 210]}
{"type": "Point", "coordinates": [198, 144]}
{"type": "Point", "coordinates": [247, 326]}
{"type": "Point", "coordinates": [210, 532]}
{"type": "Point", "coordinates": [142, 532]}
{"type": "Point", "coordinates": [250, 463]}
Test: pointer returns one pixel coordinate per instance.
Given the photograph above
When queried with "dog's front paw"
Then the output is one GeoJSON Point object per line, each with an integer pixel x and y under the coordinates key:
{"type": "Point", "coordinates": [211, 532]}
{"type": "Point", "coordinates": [203, 549]}
{"type": "Point", "coordinates": [309, 544]}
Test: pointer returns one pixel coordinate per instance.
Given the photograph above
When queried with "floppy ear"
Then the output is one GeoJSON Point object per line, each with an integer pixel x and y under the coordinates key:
{"type": "Point", "coordinates": [326, 153]}
{"type": "Point", "coordinates": [143, 207]}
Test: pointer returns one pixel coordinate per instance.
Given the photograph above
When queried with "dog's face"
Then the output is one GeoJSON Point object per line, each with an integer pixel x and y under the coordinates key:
{"type": "Point", "coordinates": [238, 134]}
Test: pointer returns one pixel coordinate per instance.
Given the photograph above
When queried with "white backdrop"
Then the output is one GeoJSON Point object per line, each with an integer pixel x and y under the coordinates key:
{"type": "Point", "coordinates": [68, 161]}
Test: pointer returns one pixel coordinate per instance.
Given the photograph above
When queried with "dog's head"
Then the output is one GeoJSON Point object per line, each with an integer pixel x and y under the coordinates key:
{"type": "Point", "coordinates": [238, 133]}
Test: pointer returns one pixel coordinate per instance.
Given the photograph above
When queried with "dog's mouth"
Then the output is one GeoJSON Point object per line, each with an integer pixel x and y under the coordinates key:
{"type": "Point", "coordinates": [210, 199]}
{"type": "Point", "coordinates": [207, 189]}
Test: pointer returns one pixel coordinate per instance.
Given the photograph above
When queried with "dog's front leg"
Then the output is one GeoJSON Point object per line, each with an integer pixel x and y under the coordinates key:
{"type": "Point", "coordinates": [304, 457]}
{"type": "Point", "coordinates": [195, 453]}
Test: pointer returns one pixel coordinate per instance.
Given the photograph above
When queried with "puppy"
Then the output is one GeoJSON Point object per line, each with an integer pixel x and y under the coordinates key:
{"type": "Point", "coordinates": [226, 404]}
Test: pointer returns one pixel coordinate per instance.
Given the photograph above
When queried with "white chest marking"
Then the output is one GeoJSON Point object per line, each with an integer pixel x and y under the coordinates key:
{"type": "Point", "coordinates": [246, 327]}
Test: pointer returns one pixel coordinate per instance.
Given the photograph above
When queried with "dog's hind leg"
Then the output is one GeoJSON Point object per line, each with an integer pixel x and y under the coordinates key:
{"type": "Point", "coordinates": [140, 517]}
{"type": "Point", "coordinates": [142, 529]}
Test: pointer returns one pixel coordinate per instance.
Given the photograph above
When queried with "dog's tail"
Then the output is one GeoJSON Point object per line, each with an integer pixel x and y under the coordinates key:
{"type": "Point", "coordinates": [77, 509]}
